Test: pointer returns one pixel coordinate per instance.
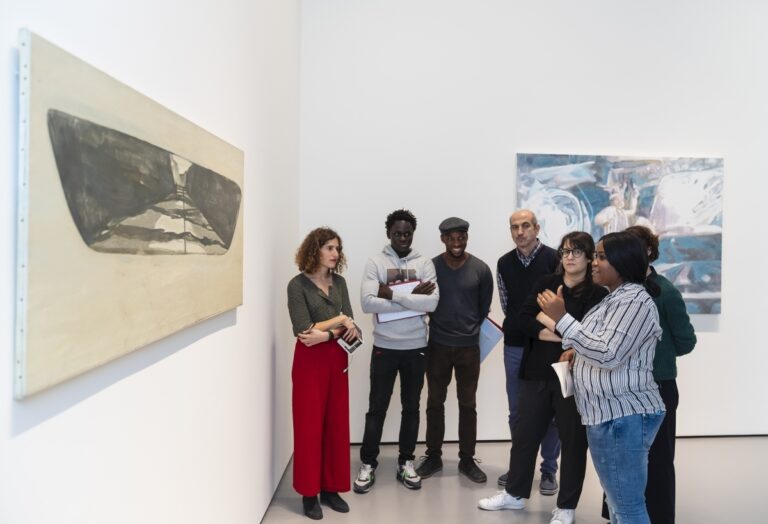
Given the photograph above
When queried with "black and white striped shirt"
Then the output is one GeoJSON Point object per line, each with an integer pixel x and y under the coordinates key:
{"type": "Point", "coordinates": [613, 367]}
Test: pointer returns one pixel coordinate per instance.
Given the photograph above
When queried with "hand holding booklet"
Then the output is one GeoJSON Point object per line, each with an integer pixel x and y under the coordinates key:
{"type": "Point", "coordinates": [353, 344]}
{"type": "Point", "coordinates": [565, 376]}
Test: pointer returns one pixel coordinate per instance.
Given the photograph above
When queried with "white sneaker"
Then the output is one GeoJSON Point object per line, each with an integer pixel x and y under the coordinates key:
{"type": "Point", "coordinates": [407, 475]}
{"type": "Point", "coordinates": [563, 516]}
{"type": "Point", "coordinates": [365, 479]}
{"type": "Point", "coordinates": [501, 500]}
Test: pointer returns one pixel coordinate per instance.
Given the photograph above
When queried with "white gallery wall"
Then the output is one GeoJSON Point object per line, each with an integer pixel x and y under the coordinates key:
{"type": "Point", "coordinates": [192, 428]}
{"type": "Point", "coordinates": [424, 105]}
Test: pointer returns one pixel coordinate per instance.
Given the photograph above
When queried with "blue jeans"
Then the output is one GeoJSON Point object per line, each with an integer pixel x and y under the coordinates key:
{"type": "Point", "coordinates": [550, 444]}
{"type": "Point", "coordinates": [619, 451]}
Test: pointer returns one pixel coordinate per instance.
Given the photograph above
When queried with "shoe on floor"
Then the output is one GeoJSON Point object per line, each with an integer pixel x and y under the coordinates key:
{"type": "Point", "coordinates": [563, 516]}
{"type": "Point", "coordinates": [408, 476]}
{"type": "Point", "coordinates": [334, 501]}
{"type": "Point", "coordinates": [503, 480]}
{"type": "Point", "coordinates": [501, 500]}
{"type": "Point", "coordinates": [468, 467]}
{"type": "Point", "coordinates": [548, 484]}
{"type": "Point", "coordinates": [365, 479]}
{"type": "Point", "coordinates": [312, 508]}
{"type": "Point", "coordinates": [429, 466]}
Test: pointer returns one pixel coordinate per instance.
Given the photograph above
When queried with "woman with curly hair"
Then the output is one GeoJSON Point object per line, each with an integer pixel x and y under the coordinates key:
{"type": "Point", "coordinates": [318, 303]}
{"type": "Point", "coordinates": [678, 338]}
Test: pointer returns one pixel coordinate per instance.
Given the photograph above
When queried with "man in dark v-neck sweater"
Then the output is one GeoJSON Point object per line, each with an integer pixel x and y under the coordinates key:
{"type": "Point", "coordinates": [517, 271]}
{"type": "Point", "coordinates": [454, 334]}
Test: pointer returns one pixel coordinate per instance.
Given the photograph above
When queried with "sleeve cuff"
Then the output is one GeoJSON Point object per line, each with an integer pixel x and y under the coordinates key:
{"type": "Point", "coordinates": [566, 325]}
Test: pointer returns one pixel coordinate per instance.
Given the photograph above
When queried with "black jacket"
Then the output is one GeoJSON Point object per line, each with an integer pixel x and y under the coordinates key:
{"type": "Point", "coordinates": [538, 355]}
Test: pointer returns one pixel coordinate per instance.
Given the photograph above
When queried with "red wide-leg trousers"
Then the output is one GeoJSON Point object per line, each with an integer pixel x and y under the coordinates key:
{"type": "Point", "coordinates": [320, 419]}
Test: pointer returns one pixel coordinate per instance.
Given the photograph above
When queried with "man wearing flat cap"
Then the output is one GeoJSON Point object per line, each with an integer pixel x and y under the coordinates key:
{"type": "Point", "coordinates": [466, 290]}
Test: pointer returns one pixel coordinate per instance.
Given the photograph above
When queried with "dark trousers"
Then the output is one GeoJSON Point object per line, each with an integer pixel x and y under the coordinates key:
{"type": "Point", "coordinates": [385, 366]}
{"type": "Point", "coordinates": [538, 402]}
{"type": "Point", "coordinates": [660, 490]}
{"type": "Point", "coordinates": [441, 363]}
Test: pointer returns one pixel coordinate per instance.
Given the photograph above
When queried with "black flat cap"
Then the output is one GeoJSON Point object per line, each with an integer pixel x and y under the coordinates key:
{"type": "Point", "coordinates": [453, 224]}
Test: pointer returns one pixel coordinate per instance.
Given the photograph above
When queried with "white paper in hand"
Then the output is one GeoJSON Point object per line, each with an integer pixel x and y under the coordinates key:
{"type": "Point", "coordinates": [565, 376]}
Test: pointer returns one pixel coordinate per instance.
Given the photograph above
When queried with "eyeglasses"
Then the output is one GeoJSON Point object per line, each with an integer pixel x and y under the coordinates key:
{"type": "Point", "coordinates": [565, 252]}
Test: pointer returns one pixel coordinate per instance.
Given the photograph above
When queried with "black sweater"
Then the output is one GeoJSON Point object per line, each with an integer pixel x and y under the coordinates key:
{"type": "Point", "coordinates": [465, 298]}
{"type": "Point", "coordinates": [538, 355]}
{"type": "Point", "coordinates": [518, 281]}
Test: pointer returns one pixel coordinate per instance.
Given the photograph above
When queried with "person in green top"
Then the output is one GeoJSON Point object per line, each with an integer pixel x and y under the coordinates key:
{"type": "Point", "coordinates": [318, 303]}
{"type": "Point", "coordinates": [678, 338]}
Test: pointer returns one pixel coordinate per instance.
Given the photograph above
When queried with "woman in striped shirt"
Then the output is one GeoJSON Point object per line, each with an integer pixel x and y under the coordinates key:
{"type": "Point", "coordinates": [612, 352]}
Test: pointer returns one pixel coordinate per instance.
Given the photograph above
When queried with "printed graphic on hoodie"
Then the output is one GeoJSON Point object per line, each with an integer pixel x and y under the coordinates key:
{"type": "Point", "coordinates": [397, 276]}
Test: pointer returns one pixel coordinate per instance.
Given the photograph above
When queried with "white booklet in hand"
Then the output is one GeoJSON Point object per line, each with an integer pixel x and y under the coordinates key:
{"type": "Point", "coordinates": [565, 376]}
{"type": "Point", "coordinates": [403, 288]}
{"type": "Point", "coordinates": [352, 345]}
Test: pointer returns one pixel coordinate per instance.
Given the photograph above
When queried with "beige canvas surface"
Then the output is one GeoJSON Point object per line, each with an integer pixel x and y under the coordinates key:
{"type": "Point", "coordinates": [79, 308]}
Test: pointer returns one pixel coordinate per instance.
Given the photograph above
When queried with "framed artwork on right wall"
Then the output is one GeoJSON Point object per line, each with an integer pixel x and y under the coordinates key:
{"type": "Point", "coordinates": [679, 198]}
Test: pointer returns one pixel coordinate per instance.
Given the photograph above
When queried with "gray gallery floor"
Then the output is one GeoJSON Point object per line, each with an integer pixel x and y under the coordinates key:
{"type": "Point", "coordinates": [718, 481]}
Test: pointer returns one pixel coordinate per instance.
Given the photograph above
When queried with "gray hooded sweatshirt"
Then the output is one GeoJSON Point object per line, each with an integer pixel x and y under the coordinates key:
{"type": "Point", "coordinates": [387, 267]}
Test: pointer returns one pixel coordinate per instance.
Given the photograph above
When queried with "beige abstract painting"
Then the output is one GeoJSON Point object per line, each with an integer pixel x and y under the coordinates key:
{"type": "Point", "coordinates": [129, 219]}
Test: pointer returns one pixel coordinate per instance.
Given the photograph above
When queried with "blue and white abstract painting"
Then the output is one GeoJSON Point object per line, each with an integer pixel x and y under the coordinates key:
{"type": "Point", "coordinates": [680, 199]}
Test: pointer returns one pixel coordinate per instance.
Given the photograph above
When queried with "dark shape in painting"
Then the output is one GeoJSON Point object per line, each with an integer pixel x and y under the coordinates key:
{"type": "Point", "coordinates": [129, 196]}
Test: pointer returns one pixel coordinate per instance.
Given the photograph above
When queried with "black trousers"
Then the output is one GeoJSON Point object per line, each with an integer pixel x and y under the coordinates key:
{"type": "Point", "coordinates": [442, 361]}
{"type": "Point", "coordinates": [660, 490]}
{"type": "Point", "coordinates": [538, 402]}
{"type": "Point", "coordinates": [386, 364]}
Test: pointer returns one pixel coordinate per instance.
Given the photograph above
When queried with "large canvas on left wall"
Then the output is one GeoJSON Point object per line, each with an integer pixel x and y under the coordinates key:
{"type": "Point", "coordinates": [129, 219]}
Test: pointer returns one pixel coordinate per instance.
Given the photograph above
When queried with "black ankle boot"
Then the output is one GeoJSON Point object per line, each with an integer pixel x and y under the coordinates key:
{"type": "Point", "coordinates": [334, 501]}
{"type": "Point", "coordinates": [312, 508]}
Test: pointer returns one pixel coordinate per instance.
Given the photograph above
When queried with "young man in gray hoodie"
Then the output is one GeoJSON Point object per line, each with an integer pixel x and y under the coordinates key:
{"type": "Point", "coordinates": [401, 281]}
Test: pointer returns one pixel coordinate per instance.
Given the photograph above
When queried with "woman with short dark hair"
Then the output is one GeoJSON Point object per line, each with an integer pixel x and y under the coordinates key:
{"type": "Point", "coordinates": [318, 303]}
{"type": "Point", "coordinates": [540, 395]}
{"type": "Point", "coordinates": [612, 350]}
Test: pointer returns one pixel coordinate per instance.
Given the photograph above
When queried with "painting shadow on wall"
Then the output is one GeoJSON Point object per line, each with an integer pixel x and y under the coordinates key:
{"type": "Point", "coordinates": [41, 407]}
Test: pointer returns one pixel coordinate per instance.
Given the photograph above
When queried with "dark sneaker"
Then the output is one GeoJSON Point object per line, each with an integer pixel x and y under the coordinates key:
{"type": "Point", "coordinates": [408, 476]}
{"type": "Point", "coordinates": [429, 466]}
{"type": "Point", "coordinates": [503, 480]}
{"type": "Point", "coordinates": [468, 467]}
{"type": "Point", "coordinates": [334, 501]}
{"type": "Point", "coordinates": [312, 508]}
{"type": "Point", "coordinates": [365, 479]}
{"type": "Point", "coordinates": [548, 484]}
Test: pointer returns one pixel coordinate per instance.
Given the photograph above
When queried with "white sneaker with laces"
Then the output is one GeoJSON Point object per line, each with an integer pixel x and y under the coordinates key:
{"type": "Point", "coordinates": [365, 479]}
{"type": "Point", "coordinates": [563, 516]}
{"type": "Point", "coordinates": [501, 500]}
{"type": "Point", "coordinates": [408, 476]}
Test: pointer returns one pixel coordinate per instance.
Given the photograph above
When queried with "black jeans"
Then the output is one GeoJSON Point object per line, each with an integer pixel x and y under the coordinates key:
{"type": "Point", "coordinates": [385, 366]}
{"type": "Point", "coordinates": [441, 362]}
{"type": "Point", "coordinates": [660, 490]}
{"type": "Point", "coordinates": [538, 402]}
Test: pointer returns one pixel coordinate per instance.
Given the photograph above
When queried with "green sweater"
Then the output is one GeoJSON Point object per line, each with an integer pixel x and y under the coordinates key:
{"type": "Point", "coordinates": [308, 305]}
{"type": "Point", "coordinates": [678, 337]}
